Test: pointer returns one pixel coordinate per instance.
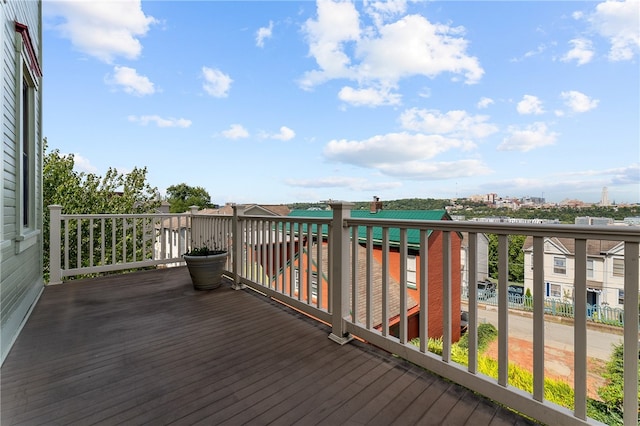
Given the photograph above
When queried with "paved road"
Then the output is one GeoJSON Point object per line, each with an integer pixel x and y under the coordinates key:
{"type": "Point", "coordinates": [556, 335]}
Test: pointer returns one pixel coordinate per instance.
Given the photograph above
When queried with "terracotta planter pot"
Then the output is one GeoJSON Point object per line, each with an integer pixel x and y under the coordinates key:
{"type": "Point", "coordinates": [206, 271]}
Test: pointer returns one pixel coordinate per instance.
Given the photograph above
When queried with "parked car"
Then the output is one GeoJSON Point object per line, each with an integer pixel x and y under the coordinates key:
{"type": "Point", "coordinates": [486, 289]}
{"type": "Point", "coordinates": [516, 294]}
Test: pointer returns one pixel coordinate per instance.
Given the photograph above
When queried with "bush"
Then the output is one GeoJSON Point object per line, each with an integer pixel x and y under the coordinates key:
{"type": "Point", "coordinates": [487, 333]}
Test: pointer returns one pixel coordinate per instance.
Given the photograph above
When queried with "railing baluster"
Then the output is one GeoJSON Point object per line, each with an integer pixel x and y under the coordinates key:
{"type": "Point", "coordinates": [91, 242]}
{"type": "Point", "coordinates": [369, 285]}
{"type": "Point", "coordinates": [79, 243]}
{"type": "Point", "coordinates": [580, 329]}
{"type": "Point", "coordinates": [354, 274]}
{"type": "Point", "coordinates": [403, 286]}
{"type": "Point", "coordinates": [385, 281]}
{"type": "Point", "coordinates": [538, 318]}
{"type": "Point", "coordinates": [446, 296]}
{"type": "Point", "coordinates": [472, 323]}
{"type": "Point", "coordinates": [503, 311]}
{"type": "Point", "coordinates": [424, 290]}
{"type": "Point", "coordinates": [630, 351]}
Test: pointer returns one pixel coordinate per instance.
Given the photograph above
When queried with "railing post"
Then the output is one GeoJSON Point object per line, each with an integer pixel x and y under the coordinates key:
{"type": "Point", "coordinates": [340, 263]}
{"type": "Point", "coordinates": [55, 271]}
{"type": "Point", "coordinates": [237, 247]}
{"type": "Point", "coordinates": [193, 211]}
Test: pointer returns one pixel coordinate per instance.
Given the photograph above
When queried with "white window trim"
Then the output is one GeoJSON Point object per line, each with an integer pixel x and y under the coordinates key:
{"type": "Point", "coordinates": [26, 236]}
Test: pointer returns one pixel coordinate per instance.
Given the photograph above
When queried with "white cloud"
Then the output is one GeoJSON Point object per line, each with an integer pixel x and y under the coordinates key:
{"type": "Point", "coordinates": [381, 11]}
{"type": "Point", "coordinates": [159, 121]}
{"type": "Point", "coordinates": [534, 136]}
{"type": "Point", "coordinates": [236, 131]}
{"type": "Point", "coordinates": [337, 23]}
{"type": "Point", "coordinates": [83, 164]}
{"type": "Point", "coordinates": [369, 96]}
{"type": "Point", "coordinates": [379, 56]}
{"type": "Point", "coordinates": [285, 134]}
{"type": "Point", "coordinates": [582, 51]}
{"type": "Point", "coordinates": [578, 102]}
{"type": "Point", "coordinates": [216, 83]}
{"type": "Point", "coordinates": [102, 29]}
{"type": "Point", "coordinates": [530, 105]}
{"type": "Point", "coordinates": [131, 82]}
{"type": "Point", "coordinates": [415, 46]}
{"type": "Point", "coordinates": [484, 103]}
{"type": "Point", "coordinates": [389, 149]}
{"type": "Point", "coordinates": [358, 184]}
{"type": "Point", "coordinates": [263, 33]}
{"type": "Point", "coordinates": [619, 22]}
{"type": "Point", "coordinates": [452, 123]}
{"type": "Point", "coordinates": [426, 170]}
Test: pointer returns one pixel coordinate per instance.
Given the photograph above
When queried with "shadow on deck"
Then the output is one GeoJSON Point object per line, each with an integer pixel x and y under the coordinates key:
{"type": "Point", "coordinates": [145, 348]}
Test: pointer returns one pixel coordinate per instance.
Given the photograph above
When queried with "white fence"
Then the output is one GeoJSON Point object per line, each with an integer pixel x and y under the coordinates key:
{"type": "Point", "coordinates": [347, 272]}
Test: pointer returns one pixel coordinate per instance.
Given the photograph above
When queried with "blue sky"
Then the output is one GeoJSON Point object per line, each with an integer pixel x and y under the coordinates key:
{"type": "Point", "coordinates": [286, 101]}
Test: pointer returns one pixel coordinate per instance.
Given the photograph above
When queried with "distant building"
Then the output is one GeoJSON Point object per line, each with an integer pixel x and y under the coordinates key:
{"type": "Point", "coordinates": [597, 221]}
{"type": "Point", "coordinates": [604, 199]}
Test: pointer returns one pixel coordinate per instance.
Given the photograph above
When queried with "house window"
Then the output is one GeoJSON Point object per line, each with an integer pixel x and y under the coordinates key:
{"type": "Point", "coordinates": [554, 290]}
{"type": "Point", "coordinates": [618, 267]}
{"type": "Point", "coordinates": [314, 283]}
{"type": "Point", "coordinates": [589, 268]}
{"type": "Point", "coordinates": [620, 297]}
{"type": "Point", "coordinates": [559, 265]}
{"type": "Point", "coordinates": [26, 123]}
{"type": "Point", "coordinates": [411, 271]}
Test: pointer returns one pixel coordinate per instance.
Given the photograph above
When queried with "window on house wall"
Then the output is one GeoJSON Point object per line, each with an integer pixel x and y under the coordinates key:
{"type": "Point", "coordinates": [618, 267]}
{"type": "Point", "coordinates": [620, 297]}
{"type": "Point", "coordinates": [590, 272]}
{"type": "Point", "coordinates": [559, 265]}
{"type": "Point", "coordinates": [411, 271]}
{"type": "Point", "coordinates": [26, 123]}
{"type": "Point", "coordinates": [554, 290]}
{"type": "Point", "coordinates": [25, 144]}
{"type": "Point", "coordinates": [314, 283]}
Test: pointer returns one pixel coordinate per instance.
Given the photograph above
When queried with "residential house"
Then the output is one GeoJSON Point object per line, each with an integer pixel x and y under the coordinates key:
{"type": "Point", "coordinates": [412, 267]}
{"type": "Point", "coordinates": [21, 209]}
{"type": "Point", "coordinates": [605, 270]}
{"type": "Point", "coordinates": [250, 209]}
{"type": "Point", "coordinates": [317, 262]}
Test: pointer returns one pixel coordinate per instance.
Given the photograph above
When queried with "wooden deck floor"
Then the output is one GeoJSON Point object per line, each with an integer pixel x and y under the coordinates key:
{"type": "Point", "coordinates": [144, 348]}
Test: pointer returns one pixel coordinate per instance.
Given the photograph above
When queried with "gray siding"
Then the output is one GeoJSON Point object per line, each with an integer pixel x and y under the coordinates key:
{"type": "Point", "coordinates": [20, 261]}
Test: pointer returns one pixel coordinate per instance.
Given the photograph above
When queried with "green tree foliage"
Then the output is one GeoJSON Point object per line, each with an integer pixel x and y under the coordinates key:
{"type": "Point", "coordinates": [612, 393]}
{"type": "Point", "coordinates": [88, 193]}
{"type": "Point", "coordinates": [183, 196]}
{"type": "Point", "coordinates": [516, 257]}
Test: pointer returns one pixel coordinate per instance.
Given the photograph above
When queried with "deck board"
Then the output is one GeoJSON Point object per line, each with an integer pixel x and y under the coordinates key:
{"type": "Point", "coordinates": [145, 348]}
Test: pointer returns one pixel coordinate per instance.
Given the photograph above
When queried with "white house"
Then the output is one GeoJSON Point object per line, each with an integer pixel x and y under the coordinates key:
{"type": "Point", "coordinates": [21, 210]}
{"type": "Point", "coordinates": [605, 270]}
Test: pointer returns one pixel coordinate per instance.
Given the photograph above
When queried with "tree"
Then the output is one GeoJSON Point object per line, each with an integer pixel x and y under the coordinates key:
{"type": "Point", "coordinates": [88, 193]}
{"type": "Point", "coordinates": [516, 257]}
{"type": "Point", "coordinates": [183, 196]}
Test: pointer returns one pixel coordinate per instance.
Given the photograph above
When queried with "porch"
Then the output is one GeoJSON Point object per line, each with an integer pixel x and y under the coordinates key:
{"type": "Point", "coordinates": [145, 348]}
{"type": "Point", "coordinates": [155, 330]}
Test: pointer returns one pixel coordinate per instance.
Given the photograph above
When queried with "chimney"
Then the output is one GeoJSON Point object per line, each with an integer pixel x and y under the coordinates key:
{"type": "Point", "coordinates": [375, 206]}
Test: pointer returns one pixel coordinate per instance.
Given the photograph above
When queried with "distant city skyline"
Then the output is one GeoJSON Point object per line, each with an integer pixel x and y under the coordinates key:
{"type": "Point", "coordinates": [285, 101]}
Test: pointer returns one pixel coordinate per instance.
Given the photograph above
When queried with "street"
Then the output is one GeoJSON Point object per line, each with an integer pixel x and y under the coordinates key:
{"type": "Point", "coordinates": [556, 335]}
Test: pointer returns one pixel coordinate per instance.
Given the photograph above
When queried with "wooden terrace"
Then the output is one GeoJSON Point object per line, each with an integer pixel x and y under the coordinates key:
{"type": "Point", "coordinates": [145, 348]}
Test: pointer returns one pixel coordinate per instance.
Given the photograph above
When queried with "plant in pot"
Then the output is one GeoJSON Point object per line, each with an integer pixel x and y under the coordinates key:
{"type": "Point", "coordinates": [206, 266]}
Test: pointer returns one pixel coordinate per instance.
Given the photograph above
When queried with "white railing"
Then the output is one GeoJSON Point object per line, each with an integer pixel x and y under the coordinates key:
{"type": "Point", "coordinates": [96, 243]}
{"type": "Point", "coordinates": [346, 272]}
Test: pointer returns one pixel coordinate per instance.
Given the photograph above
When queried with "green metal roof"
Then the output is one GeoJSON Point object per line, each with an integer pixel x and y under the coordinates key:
{"type": "Point", "coordinates": [413, 235]}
